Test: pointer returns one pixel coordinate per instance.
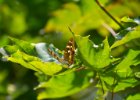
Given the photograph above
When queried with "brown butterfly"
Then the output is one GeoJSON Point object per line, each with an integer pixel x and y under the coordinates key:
{"type": "Point", "coordinates": [68, 53]}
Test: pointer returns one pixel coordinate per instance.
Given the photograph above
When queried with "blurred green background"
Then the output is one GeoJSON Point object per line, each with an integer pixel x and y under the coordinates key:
{"type": "Point", "coordinates": [48, 21]}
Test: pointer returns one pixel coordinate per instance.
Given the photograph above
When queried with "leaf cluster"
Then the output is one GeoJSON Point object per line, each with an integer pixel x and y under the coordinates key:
{"type": "Point", "coordinates": [95, 65]}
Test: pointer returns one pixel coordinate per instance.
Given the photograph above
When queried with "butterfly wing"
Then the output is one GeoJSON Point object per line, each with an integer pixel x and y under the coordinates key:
{"type": "Point", "coordinates": [69, 51]}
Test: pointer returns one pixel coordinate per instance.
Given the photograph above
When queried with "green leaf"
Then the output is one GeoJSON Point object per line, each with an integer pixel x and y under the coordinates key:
{"type": "Point", "coordinates": [131, 35]}
{"type": "Point", "coordinates": [81, 19]}
{"type": "Point", "coordinates": [122, 76]}
{"type": "Point", "coordinates": [123, 68]}
{"type": "Point", "coordinates": [134, 97]}
{"type": "Point", "coordinates": [126, 83]}
{"type": "Point", "coordinates": [23, 45]}
{"type": "Point", "coordinates": [62, 18]}
{"type": "Point", "coordinates": [129, 22]}
{"type": "Point", "coordinates": [108, 80]}
{"type": "Point", "coordinates": [11, 49]}
{"type": "Point", "coordinates": [137, 74]}
{"type": "Point", "coordinates": [95, 57]}
{"type": "Point", "coordinates": [65, 85]}
{"type": "Point", "coordinates": [136, 69]}
{"type": "Point", "coordinates": [34, 63]}
{"type": "Point", "coordinates": [127, 19]}
{"type": "Point", "coordinates": [125, 75]}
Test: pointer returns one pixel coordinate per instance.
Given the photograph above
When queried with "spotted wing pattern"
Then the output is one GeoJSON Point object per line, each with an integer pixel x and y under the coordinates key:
{"type": "Point", "coordinates": [68, 53]}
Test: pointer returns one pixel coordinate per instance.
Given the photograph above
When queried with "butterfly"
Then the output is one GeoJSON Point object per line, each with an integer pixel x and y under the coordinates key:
{"type": "Point", "coordinates": [69, 52]}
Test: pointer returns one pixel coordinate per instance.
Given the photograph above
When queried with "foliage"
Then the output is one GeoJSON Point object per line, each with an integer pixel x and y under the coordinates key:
{"type": "Point", "coordinates": [111, 74]}
{"type": "Point", "coordinates": [109, 64]}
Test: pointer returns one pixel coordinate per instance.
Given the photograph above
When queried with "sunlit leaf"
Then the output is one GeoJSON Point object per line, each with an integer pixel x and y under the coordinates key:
{"type": "Point", "coordinates": [121, 76]}
{"type": "Point", "coordinates": [134, 97]}
{"type": "Point", "coordinates": [95, 56]}
{"type": "Point", "coordinates": [125, 74]}
{"type": "Point", "coordinates": [136, 68]}
{"type": "Point", "coordinates": [81, 19]}
{"type": "Point", "coordinates": [23, 45]}
{"type": "Point", "coordinates": [63, 18]}
{"type": "Point", "coordinates": [137, 74]}
{"type": "Point", "coordinates": [131, 35]}
{"type": "Point", "coordinates": [35, 63]}
{"type": "Point", "coordinates": [129, 22]}
{"type": "Point", "coordinates": [11, 49]}
{"type": "Point", "coordinates": [123, 68]}
{"type": "Point", "coordinates": [125, 83]}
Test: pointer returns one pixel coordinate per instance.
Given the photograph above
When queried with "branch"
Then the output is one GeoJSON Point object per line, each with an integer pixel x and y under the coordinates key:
{"type": "Point", "coordinates": [98, 3]}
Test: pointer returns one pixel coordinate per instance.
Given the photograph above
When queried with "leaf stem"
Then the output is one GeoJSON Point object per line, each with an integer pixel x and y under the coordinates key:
{"type": "Point", "coordinates": [112, 95]}
{"type": "Point", "coordinates": [80, 68]}
{"type": "Point", "coordinates": [101, 84]}
{"type": "Point", "coordinates": [98, 3]}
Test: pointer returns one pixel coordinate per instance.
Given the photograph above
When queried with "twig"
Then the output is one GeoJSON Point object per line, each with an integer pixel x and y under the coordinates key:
{"type": "Point", "coordinates": [101, 85]}
{"type": "Point", "coordinates": [108, 13]}
{"type": "Point", "coordinates": [81, 68]}
{"type": "Point", "coordinates": [112, 95]}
